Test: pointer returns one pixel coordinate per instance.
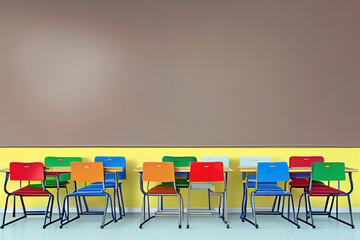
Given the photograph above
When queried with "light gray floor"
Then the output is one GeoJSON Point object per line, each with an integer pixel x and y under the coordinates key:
{"type": "Point", "coordinates": [166, 227]}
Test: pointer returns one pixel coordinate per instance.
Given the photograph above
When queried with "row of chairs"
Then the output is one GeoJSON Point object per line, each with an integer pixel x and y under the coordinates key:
{"type": "Point", "coordinates": [93, 173]}
{"type": "Point", "coordinates": [264, 183]}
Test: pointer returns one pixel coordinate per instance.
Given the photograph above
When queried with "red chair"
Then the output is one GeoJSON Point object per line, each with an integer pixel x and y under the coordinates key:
{"type": "Point", "coordinates": [29, 172]}
{"type": "Point", "coordinates": [204, 172]}
{"type": "Point", "coordinates": [301, 180]}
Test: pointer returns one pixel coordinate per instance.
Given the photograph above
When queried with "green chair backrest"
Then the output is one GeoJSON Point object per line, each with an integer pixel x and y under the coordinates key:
{"type": "Point", "coordinates": [328, 171]}
{"type": "Point", "coordinates": [60, 162]}
{"type": "Point", "coordinates": [180, 161]}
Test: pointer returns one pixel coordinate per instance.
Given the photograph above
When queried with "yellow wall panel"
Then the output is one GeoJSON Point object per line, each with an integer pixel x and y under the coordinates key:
{"type": "Point", "coordinates": [135, 156]}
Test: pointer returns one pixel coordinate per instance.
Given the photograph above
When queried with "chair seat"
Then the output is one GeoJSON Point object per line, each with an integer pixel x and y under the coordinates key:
{"type": "Point", "coordinates": [160, 189]}
{"type": "Point", "coordinates": [252, 184]}
{"type": "Point", "coordinates": [270, 190]}
{"type": "Point", "coordinates": [29, 191]}
{"type": "Point", "coordinates": [324, 190]}
{"type": "Point", "coordinates": [109, 184]}
{"type": "Point", "coordinates": [49, 184]}
{"type": "Point", "coordinates": [88, 193]}
{"type": "Point", "coordinates": [202, 185]}
{"type": "Point", "coordinates": [94, 187]}
{"type": "Point", "coordinates": [302, 182]}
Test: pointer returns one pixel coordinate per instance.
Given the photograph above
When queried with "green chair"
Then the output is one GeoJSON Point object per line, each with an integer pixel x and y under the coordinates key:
{"type": "Point", "coordinates": [181, 179]}
{"type": "Point", "coordinates": [57, 180]}
{"type": "Point", "coordinates": [331, 172]}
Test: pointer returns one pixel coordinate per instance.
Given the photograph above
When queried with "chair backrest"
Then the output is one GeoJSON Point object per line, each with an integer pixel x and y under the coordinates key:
{"type": "Point", "coordinates": [180, 161]}
{"type": "Point", "coordinates": [299, 161]}
{"type": "Point", "coordinates": [32, 171]}
{"type": "Point", "coordinates": [329, 171]}
{"type": "Point", "coordinates": [113, 162]}
{"type": "Point", "coordinates": [158, 172]}
{"type": "Point", "coordinates": [61, 161]}
{"type": "Point", "coordinates": [251, 161]}
{"type": "Point", "coordinates": [224, 160]}
{"type": "Point", "coordinates": [87, 171]}
{"type": "Point", "coordinates": [206, 172]}
{"type": "Point", "coordinates": [272, 172]}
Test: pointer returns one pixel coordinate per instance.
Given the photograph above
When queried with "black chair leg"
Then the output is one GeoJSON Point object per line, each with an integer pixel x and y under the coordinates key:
{"type": "Point", "coordinates": [5, 209]}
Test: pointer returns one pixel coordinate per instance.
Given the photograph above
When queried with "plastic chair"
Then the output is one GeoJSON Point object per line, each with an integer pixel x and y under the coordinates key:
{"type": "Point", "coordinates": [249, 182]}
{"type": "Point", "coordinates": [57, 180]}
{"type": "Point", "coordinates": [110, 182]}
{"type": "Point", "coordinates": [301, 180]}
{"type": "Point", "coordinates": [204, 172]}
{"type": "Point", "coordinates": [33, 171]}
{"type": "Point", "coordinates": [158, 172]}
{"type": "Point", "coordinates": [181, 179]}
{"type": "Point", "coordinates": [267, 174]}
{"type": "Point", "coordinates": [86, 172]}
{"type": "Point", "coordinates": [330, 171]}
{"type": "Point", "coordinates": [209, 186]}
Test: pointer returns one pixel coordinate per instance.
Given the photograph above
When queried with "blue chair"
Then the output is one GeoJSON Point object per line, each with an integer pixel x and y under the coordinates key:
{"type": "Point", "coordinates": [87, 172]}
{"type": "Point", "coordinates": [267, 178]}
{"type": "Point", "coordinates": [249, 181]}
{"type": "Point", "coordinates": [110, 182]}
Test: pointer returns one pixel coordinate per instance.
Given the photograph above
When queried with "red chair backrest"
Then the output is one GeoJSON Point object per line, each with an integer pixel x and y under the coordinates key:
{"type": "Point", "coordinates": [297, 161]}
{"type": "Point", "coordinates": [33, 171]}
{"type": "Point", "coordinates": [206, 172]}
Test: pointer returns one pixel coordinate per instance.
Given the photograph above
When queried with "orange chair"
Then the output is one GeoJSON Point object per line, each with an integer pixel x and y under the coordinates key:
{"type": "Point", "coordinates": [87, 172]}
{"type": "Point", "coordinates": [159, 172]}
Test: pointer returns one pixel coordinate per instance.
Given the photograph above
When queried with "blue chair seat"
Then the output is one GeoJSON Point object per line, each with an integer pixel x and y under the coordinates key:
{"type": "Point", "coordinates": [94, 187]}
{"type": "Point", "coordinates": [107, 185]}
{"type": "Point", "coordinates": [272, 192]}
{"type": "Point", "coordinates": [93, 193]}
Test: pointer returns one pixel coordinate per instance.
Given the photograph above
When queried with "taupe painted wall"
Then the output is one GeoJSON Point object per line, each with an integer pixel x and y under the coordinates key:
{"type": "Point", "coordinates": [180, 73]}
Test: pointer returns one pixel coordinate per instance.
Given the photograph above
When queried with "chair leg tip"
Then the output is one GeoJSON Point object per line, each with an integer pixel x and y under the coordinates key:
{"type": "Point", "coordinates": [257, 226]}
{"type": "Point", "coordinates": [187, 226]}
{"type": "Point", "coordinates": [179, 226]}
{"type": "Point", "coordinates": [227, 226]}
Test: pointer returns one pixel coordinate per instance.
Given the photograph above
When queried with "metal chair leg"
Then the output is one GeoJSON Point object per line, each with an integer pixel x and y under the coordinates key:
{"type": "Point", "coordinates": [14, 206]}
{"type": "Point", "coordinates": [122, 201]}
{"type": "Point", "coordinates": [253, 209]}
{"type": "Point", "coordinates": [209, 199]}
{"type": "Point", "coordinates": [180, 211]}
{"type": "Point", "coordinates": [188, 211]}
{"type": "Point", "coordinates": [350, 211]}
{"type": "Point", "coordinates": [311, 215]}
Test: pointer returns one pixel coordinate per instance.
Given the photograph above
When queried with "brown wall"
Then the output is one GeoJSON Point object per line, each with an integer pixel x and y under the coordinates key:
{"type": "Point", "coordinates": [180, 73]}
